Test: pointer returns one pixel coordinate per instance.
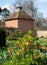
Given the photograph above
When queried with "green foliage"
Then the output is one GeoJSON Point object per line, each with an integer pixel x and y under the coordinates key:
{"type": "Point", "coordinates": [24, 51]}
{"type": "Point", "coordinates": [9, 38]}
{"type": "Point", "coordinates": [15, 34]}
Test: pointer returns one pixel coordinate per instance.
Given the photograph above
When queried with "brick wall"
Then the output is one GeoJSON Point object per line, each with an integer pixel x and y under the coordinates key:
{"type": "Point", "coordinates": [11, 23]}
{"type": "Point", "coordinates": [22, 25]}
{"type": "Point", "coordinates": [25, 25]}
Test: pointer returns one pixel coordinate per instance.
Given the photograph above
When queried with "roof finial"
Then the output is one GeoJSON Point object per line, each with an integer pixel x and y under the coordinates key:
{"type": "Point", "coordinates": [19, 6]}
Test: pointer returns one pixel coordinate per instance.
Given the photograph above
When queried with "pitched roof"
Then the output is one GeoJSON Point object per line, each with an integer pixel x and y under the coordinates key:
{"type": "Point", "coordinates": [19, 15]}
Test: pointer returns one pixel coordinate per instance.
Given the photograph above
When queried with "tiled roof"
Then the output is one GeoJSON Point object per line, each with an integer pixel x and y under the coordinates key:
{"type": "Point", "coordinates": [19, 15]}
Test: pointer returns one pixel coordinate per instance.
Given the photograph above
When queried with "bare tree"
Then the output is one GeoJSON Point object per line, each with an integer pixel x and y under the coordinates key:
{"type": "Point", "coordinates": [41, 23]}
{"type": "Point", "coordinates": [28, 6]}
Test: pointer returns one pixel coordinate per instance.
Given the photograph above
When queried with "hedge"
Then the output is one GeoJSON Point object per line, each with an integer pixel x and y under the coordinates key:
{"type": "Point", "coordinates": [2, 38]}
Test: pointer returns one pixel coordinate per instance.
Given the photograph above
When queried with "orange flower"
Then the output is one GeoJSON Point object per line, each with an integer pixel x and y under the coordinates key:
{"type": "Point", "coordinates": [11, 50]}
{"type": "Point", "coordinates": [28, 43]}
{"type": "Point", "coordinates": [24, 48]}
{"type": "Point", "coordinates": [18, 45]}
{"type": "Point", "coordinates": [38, 47]}
{"type": "Point", "coordinates": [38, 56]}
{"type": "Point", "coordinates": [45, 47]}
{"type": "Point", "coordinates": [18, 53]}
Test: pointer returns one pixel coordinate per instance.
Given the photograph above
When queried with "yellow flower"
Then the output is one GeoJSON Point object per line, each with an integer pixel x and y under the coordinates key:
{"type": "Point", "coordinates": [28, 43]}
{"type": "Point", "coordinates": [24, 48]}
{"type": "Point", "coordinates": [30, 36]}
{"type": "Point", "coordinates": [45, 47]}
{"type": "Point", "coordinates": [18, 53]}
{"type": "Point", "coordinates": [38, 56]}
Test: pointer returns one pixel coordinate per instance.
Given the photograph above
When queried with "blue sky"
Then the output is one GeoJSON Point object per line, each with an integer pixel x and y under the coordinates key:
{"type": "Point", "coordinates": [41, 5]}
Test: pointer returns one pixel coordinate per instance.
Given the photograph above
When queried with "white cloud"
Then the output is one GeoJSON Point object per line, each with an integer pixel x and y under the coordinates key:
{"type": "Point", "coordinates": [9, 7]}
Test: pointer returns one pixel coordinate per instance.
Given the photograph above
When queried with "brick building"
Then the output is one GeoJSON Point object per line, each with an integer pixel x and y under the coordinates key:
{"type": "Point", "coordinates": [20, 20]}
